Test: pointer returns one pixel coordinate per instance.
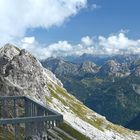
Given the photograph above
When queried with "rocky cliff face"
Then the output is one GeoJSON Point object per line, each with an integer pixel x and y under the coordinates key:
{"type": "Point", "coordinates": [61, 67]}
{"type": "Point", "coordinates": [22, 74]}
{"type": "Point", "coordinates": [89, 67]}
{"type": "Point", "coordinates": [113, 68]}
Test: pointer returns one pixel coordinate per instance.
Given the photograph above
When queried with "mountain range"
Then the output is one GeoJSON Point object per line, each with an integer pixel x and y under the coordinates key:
{"type": "Point", "coordinates": [22, 74]}
{"type": "Point", "coordinates": [109, 85]}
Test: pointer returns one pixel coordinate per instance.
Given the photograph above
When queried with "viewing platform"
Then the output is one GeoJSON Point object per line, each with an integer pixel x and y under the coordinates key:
{"type": "Point", "coordinates": [22, 118]}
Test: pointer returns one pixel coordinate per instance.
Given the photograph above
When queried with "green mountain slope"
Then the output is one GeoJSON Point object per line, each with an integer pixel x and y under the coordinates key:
{"type": "Point", "coordinates": [110, 90]}
{"type": "Point", "coordinates": [79, 115]}
{"type": "Point", "coordinates": [134, 124]}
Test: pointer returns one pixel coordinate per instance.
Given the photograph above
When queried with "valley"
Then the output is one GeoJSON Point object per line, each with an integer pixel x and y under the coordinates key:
{"type": "Point", "coordinates": [109, 87]}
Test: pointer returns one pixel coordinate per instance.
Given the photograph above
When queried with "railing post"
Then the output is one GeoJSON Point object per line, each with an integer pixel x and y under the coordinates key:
{"type": "Point", "coordinates": [26, 103]}
{"type": "Point", "coordinates": [33, 113]}
{"type": "Point", "coordinates": [3, 111]}
{"type": "Point", "coordinates": [5, 131]}
{"type": "Point", "coordinates": [14, 108]}
{"type": "Point", "coordinates": [17, 131]}
{"type": "Point", "coordinates": [26, 107]}
{"type": "Point", "coordinates": [49, 124]}
{"type": "Point", "coordinates": [0, 109]}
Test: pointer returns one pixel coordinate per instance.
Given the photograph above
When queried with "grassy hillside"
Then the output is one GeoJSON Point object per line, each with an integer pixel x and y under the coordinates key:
{"type": "Point", "coordinates": [65, 103]}
{"type": "Point", "coordinates": [108, 96]}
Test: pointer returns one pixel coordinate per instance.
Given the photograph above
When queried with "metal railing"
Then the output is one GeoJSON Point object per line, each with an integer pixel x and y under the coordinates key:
{"type": "Point", "coordinates": [22, 118]}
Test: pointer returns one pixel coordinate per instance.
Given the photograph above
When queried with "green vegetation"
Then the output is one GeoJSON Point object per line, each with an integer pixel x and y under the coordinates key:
{"type": "Point", "coordinates": [109, 91]}
{"type": "Point", "coordinates": [108, 96]}
{"type": "Point", "coordinates": [83, 112]}
{"type": "Point", "coordinates": [75, 106]}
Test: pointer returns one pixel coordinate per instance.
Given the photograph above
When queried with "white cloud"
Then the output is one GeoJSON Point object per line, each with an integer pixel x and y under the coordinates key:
{"type": "Point", "coordinates": [87, 41]}
{"type": "Point", "coordinates": [38, 50]}
{"type": "Point", "coordinates": [16, 16]}
{"type": "Point", "coordinates": [114, 44]}
{"type": "Point", "coordinates": [119, 43]}
{"type": "Point", "coordinates": [28, 40]}
{"type": "Point", "coordinates": [61, 48]}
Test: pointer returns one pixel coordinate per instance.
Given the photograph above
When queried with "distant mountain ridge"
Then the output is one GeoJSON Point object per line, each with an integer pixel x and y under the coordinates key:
{"type": "Point", "coordinates": [110, 88]}
{"type": "Point", "coordinates": [125, 65]}
{"type": "Point", "coordinates": [101, 59]}
{"type": "Point", "coordinates": [61, 67]}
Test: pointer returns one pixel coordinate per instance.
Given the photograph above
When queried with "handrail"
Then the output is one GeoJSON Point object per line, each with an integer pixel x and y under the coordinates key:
{"type": "Point", "coordinates": [36, 117]}
{"type": "Point", "coordinates": [42, 105]}
{"type": "Point", "coordinates": [31, 119]}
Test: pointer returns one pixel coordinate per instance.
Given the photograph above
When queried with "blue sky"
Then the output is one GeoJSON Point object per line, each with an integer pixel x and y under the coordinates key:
{"type": "Point", "coordinates": [71, 27]}
{"type": "Point", "coordinates": [110, 17]}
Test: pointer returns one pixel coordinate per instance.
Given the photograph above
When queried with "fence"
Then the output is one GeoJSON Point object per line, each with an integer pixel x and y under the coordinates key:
{"type": "Point", "coordinates": [22, 118]}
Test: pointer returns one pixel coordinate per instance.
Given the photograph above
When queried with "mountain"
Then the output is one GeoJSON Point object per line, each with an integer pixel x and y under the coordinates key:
{"type": "Point", "coordinates": [110, 89]}
{"type": "Point", "coordinates": [61, 67]}
{"type": "Point", "coordinates": [99, 60]}
{"type": "Point", "coordinates": [134, 124]}
{"type": "Point", "coordinates": [23, 74]}
{"type": "Point", "coordinates": [113, 68]}
{"type": "Point", "coordinates": [88, 67]}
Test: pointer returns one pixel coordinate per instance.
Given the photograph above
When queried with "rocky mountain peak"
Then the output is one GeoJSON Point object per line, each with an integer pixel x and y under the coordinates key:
{"type": "Point", "coordinates": [89, 67]}
{"type": "Point", "coordinates": [113, 68]}
{"type": "Point", "coordinates": [137, 71]}
{"type": "Point", "coordinates": [59, 66]}
{"type": "Point", "coordinates": [20, 70]}
{"type": "Point", "coordinates": [110, 67]}
{"type": "Point", "coordinates": [9, 51]}
{"type": "Point", "coordinates": [88, 64]}
{"type": "Point", "coordinates": [112, 63]}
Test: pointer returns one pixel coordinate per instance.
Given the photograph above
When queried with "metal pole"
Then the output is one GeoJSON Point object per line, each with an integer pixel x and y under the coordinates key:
{"type": "Point", "coordinates": [14, 108]}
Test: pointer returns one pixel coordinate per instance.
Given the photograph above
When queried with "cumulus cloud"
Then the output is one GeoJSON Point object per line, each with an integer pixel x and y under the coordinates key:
{"type": "Point", "coordinates": [113, 44]}
{"type": "Point", "coordinates": [61, 48]}
{"type": "Point", "coordinates": [37, 49]}
{"type": "Point", "coordinates": [87, 41]}
{"type": "Point", "coordinates": [28, 40]}
{"type": "Point", "coordinates": [16, 16]}
{"type": "Point", "coordinates": [119, 44]}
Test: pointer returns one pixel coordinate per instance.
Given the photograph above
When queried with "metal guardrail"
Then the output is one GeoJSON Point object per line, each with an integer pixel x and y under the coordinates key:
{"type": "Point", "coordinates": [23, 118]}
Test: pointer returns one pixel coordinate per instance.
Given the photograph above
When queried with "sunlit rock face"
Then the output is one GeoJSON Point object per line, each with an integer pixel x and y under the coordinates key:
{"type": "Point", "coordinates": [22, 74]}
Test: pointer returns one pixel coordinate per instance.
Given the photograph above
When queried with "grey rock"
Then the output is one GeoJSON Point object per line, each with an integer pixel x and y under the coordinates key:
{"type": "Point", "coordinates": [61, 67]}
{"type": "Point", "coordinates": [23, 74]}
{"type": "Point", "coordinates": [137, 71]}
{"type": "Point", "coordinates": [113, 68]}
{"type": "Point", "coordinates": [89, 67]}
